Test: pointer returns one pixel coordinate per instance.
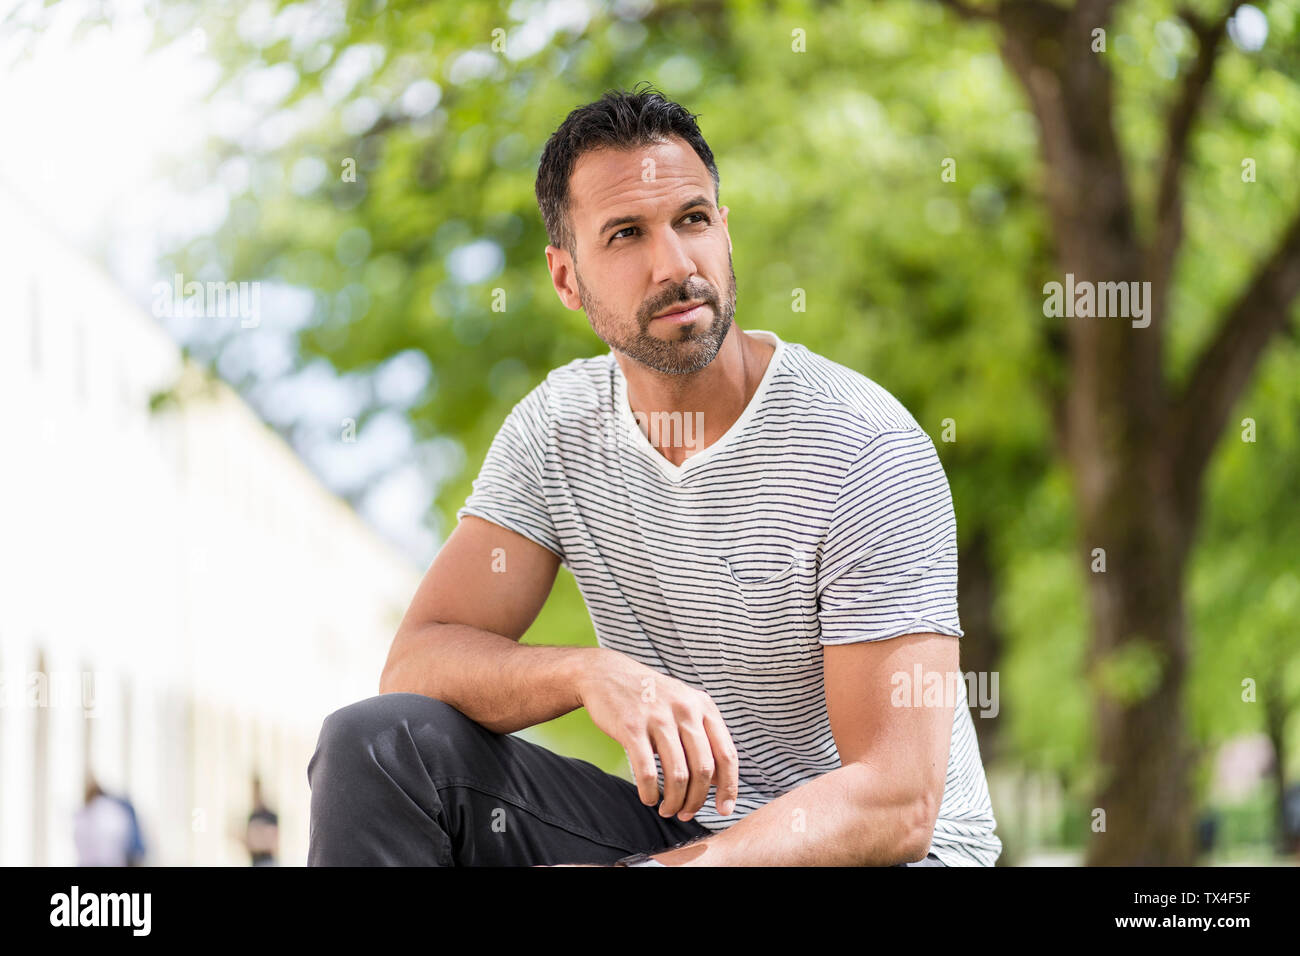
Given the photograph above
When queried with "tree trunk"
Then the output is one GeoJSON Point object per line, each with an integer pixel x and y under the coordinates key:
{"type": "Point", "coordinates": [1124, 473]}
{"type": "Point", "coordinates": [981, 648]}
{"type": "Point", "coordinates": [1275, 713]}
{"type": "Point", "coordinates": [1112, 424]}
{"type": "Point", "coordinates": [1143, 757]}
{"type": "Point", "coordinates": [1137, 452]}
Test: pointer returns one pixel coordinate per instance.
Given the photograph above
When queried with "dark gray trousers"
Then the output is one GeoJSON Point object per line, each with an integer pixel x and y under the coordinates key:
{"type": "Point", "coordinates": [408, 780]}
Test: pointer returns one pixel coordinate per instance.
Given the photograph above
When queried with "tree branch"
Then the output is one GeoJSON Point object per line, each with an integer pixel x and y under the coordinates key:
{"type": "Point", "coordinates": [1096, 13]}
{"type": "Point", "coordinates": [1169, 195]}
{"type": "Point", "coordinates": [1225, 366]}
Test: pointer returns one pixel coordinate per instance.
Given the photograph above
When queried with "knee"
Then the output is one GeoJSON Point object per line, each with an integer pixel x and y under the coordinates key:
{"type": "Point", "coordinates": [363, 721]}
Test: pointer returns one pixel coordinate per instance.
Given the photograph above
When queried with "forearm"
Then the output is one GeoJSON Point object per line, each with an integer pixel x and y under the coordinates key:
{"type": "Point", "coordinates": [496, 682]}
{"type": "Point", "coordinates": [851, 816]}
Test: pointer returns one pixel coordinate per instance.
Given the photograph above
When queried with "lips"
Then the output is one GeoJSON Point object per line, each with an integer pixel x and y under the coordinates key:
{"type": "Point", "coordinates": [680, 310]}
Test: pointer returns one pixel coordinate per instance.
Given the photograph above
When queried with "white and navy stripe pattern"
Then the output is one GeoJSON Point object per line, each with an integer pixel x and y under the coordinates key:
{"type": "Point", "coordinates": [822, 516]}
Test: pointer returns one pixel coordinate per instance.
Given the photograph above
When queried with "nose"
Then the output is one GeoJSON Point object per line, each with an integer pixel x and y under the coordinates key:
{"type": "Point", "coordinates": [673, 262]}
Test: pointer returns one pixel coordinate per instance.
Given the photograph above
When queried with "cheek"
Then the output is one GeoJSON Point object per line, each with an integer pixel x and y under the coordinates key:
{"type": "Point", "coordinates": [626, 294]}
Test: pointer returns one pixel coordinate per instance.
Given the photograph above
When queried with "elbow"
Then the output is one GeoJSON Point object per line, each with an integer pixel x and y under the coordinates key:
{"type": "Point", "coordinates": [402, 675]}
{"type": "Point", "coordinates": [389, 682]}
{"type": "Point", "coordinates": [394, 678]}
{"type": "Point", "coordinates": [913, 810]}
{"type": "Point", "coordinates": [411, 664]}
{"type": "Point", "coordinates": [919, 828]}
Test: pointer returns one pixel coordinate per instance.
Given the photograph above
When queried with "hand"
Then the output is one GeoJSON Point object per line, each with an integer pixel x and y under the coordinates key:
{"type": "Point", "coordinates": [647, 713]}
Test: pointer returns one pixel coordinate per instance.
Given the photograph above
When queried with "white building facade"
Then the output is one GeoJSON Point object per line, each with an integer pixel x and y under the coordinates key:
{"type": "Point", "coordinates": [181, 601]}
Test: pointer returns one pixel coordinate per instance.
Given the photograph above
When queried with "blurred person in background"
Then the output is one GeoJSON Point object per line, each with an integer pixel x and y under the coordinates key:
{"type": "Point", "coordinates": [102, 829]}
{"type": "Point", "coordinates": [262, 835]}
{"type": "Point", "coordinates": [1207, 831]}
{"type": "Point", "coordinates": [1291, 821]}
{"type": "Point", "coordinates": [135, 841]}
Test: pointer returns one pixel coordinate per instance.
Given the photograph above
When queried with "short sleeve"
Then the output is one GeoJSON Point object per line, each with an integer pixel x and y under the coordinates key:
{"type": "Point", "coordinates": [508, 490]}
{"type": "Point", "coordinates": [889, 562]}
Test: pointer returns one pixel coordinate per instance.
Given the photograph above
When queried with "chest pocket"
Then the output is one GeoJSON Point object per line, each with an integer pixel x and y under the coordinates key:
{"type": "Point", "coordinates": [772, 593]}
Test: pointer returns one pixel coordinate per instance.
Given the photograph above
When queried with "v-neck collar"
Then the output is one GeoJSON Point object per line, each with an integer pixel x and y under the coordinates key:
{"type": "Point", "coordinates": [637, 438]}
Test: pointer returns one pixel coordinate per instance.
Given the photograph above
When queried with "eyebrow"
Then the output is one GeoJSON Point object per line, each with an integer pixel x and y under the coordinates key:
{"type": "Point", "coordinates": [625, 220]}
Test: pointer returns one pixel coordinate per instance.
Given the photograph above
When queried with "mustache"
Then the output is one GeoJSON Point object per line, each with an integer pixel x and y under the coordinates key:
{"type": "Point", "coordinates": [710, 301]}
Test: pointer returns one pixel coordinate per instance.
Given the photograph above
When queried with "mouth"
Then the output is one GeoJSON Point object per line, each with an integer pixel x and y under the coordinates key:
{"type": "Point", "coordinates": [685, 313]}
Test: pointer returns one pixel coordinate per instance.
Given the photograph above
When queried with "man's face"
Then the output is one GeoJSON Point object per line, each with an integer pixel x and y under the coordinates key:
{"type": "Point", "coordinates": [645, 246]}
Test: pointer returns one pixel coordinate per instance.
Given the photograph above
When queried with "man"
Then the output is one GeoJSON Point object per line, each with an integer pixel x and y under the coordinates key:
{"type": "Point", "coordinates": [766, 545]}
{"type": "Point", "coordinates": [262, 831]}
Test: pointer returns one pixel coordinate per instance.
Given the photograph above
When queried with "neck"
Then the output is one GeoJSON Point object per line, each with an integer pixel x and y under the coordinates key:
{"type": "Point", "coordinates": [707, 402]}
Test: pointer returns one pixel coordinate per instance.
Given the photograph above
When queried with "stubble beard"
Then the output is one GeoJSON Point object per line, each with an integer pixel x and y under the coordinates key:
{"type": "Point", "coordinates": [691, 348]}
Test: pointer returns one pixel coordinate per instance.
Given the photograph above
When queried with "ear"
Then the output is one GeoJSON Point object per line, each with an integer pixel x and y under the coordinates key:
{"type": "Point", "coordinates": [560, 264]}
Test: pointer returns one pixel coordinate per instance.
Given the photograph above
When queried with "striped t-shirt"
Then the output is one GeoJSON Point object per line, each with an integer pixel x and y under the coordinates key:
{"type": "Point", "coordinates": [821, 516]}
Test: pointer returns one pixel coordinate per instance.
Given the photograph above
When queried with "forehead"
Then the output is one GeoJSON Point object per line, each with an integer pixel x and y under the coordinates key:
{"type": "Point", "coordinates": [609, 182]}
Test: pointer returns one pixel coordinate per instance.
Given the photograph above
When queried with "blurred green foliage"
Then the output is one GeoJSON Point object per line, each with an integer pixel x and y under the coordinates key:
{"type": "Point", "coordinates": [831, 162]}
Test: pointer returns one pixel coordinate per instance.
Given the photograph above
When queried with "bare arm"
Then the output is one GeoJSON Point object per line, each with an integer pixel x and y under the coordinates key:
{"type": "Point", "coordinates": [879, 807]}
{"type": "Point", "coordinates": [459, 640]}
{"type": "Point", "coordinates": [459, 643]}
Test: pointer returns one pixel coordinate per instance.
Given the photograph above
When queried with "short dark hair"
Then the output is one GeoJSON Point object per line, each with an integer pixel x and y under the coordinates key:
{"type": "Point", "coordinates": [618, 120]}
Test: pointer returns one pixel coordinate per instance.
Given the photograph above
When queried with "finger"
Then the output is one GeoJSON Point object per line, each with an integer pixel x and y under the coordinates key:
{"type": "Point", "coordinates": [668, 744]}
{"type": "Point", "coordinates": [642, 761]}
{"type": "Point", "coordinates": [699, 760]}
{"type": "Point", "coordinates": [727, 765]}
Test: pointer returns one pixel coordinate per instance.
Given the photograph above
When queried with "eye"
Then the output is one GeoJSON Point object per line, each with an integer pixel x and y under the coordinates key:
{"type": "Point", "coordinates": [704, 218]}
